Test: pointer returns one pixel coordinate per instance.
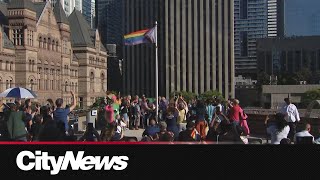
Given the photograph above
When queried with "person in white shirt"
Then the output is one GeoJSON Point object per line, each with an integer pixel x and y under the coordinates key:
{"type": "Point", "coordinates": [304, 133]}
{"type": "Point", "coordinates": [291, 114]}
{"type": "Point", "coordinates": [278, 129]}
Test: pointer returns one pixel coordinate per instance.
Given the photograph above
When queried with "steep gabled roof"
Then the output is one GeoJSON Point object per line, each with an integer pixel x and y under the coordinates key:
{"type": "Point", "coordinates": [39, 8]}
{"type": "Point", "coordinates": [80, 30]}
{"type": "Point", "coordinates": [6, 42]}
{"type": "Point", "coordinates": [60, 14]}
{"type": "Point", "coordinates": [21, 4]}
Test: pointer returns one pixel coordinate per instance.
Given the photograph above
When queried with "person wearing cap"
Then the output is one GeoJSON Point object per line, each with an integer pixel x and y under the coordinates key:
{"type": "Point", "coordinates": [292, 116]}
{"type": "Point", "coordinates": [190, 134]}
{"type": "Point", "coordinates": [61, 114]}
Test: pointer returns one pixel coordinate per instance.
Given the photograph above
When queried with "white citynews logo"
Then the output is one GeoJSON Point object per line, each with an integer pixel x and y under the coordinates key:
{"type": "Point", "coordinates": [42, 161]}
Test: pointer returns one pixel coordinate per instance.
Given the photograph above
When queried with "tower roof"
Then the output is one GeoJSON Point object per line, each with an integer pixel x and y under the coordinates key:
{"type": "Point", "coordinates": [21, 4]}
{"type": "Point", "coordinates": [81, 34]}
{"type": "Point", "coordinates": [60, 14]}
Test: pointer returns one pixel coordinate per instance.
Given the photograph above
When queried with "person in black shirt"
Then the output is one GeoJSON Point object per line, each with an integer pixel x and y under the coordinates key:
{"type": "Point", "coordinates": [190, 134]}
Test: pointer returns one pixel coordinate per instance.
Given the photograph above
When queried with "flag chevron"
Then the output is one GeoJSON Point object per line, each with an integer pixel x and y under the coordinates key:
{"type": "Point", "coordinates": [140, 37]}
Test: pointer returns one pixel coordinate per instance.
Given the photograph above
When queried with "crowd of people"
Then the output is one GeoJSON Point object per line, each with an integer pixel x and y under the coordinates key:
{"type": "Point", "coordinates": [196, 120]}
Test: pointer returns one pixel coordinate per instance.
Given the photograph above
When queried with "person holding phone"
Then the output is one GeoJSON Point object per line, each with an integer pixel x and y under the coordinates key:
{"type": "Point", "coordinates": [61, 114]}
{"type": "Point", "coordinates": [91, 134]}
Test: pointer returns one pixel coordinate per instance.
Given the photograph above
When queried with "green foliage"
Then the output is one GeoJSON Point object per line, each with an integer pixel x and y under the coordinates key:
{"type": "Point", "coordinates": [188, 96]}
{"type": "Point", "coordinates": [263, 79]}
{"type": "Point", "coordinates": [303, 75]}
{"type": "Point", "coordinates": [310, 96]}
{"type": "Point", "coordinates": [97, 103]}
{"type": "Point", "coordinates": [211, 95]}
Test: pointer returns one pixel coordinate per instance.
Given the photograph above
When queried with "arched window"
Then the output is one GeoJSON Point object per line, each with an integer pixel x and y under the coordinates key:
{"type": "Point", "coordinates": [49, 44]}
{"type": "Point", "coordinates": [31, 84]}
{"type": "Point", "coordinates": [53, 45]}
{"type": "Point", "coordinates": [40, 42]}
{"type": "Point", "coordinates": [66, 86]}
{"type": "Point", "coordinates": [76, 87]}
{"type": "Point", "coordinates": [44, 43]}
{"type": "Point", "coordinates": [57, 46]}
{"type": "Point", "coordinates": [11, 66]}
{"type": "Point", "coordinates": [10, 83]}
{"type": "Point", "coordinates": [102, 82]}
{"type": "Point", "coordinates": [7, 84]}
{"type": "Point", "coordinates": [92, 81]}
{"type": "Point", "coordinates": [7, 65]}
{"type": "Point", "coordinates": [72, 86]}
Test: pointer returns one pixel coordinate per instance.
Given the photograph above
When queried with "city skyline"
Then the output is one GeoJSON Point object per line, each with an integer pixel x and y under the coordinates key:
{"type": "Point", "coordinates": [187, 59]}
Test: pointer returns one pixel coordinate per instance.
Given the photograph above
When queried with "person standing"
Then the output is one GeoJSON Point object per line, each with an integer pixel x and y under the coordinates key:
{"type": "Point", "coordinates": [182, 107]}
{"type": "Point", "coordinates": [234, 116]}
{"type": "Point", "coordinates": [61, 114]}
{"type": "Point", "coordinates": [278, 129]}
{"type": "Point", "coordinates": [210, 110]}
{"type": "Point", "coordinates": [292, 116]}
{"type": "Point", "coordinates": [16, 125]}
{"type": "Point", "coordinates": [201, 123]}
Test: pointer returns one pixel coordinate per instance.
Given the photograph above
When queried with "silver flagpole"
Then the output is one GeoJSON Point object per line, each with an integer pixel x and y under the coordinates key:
{"type": "Point", "coordinates": [157, 71]}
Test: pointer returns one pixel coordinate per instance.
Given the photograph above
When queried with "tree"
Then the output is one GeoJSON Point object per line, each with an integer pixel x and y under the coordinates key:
{"type": "Point", "coordinates": [188, 96]}
{"type": "Point", "coordinates": [210, 95]}
{"type": "Point", "coordinates": [310, 96]}
{"type": "Point", "coordinates": [263, 78]}
{"type": "Point", "coordinates": [303, 75]}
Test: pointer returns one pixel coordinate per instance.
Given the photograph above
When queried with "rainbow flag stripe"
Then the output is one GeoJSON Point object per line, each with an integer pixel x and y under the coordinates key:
{"type": "Point", "coordinates": [137, 37]}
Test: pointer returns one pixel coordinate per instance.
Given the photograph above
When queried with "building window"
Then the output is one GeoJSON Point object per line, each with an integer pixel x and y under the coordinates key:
{"type": "Point", "coordinates": [17, 37]}
{"type": "Point", "coordinates": [10, 84]}
{"type": "Point", "coordinates": [76, 87]}
{"type": "Point", "coordinates": [31, 84]}
{"type": "Point", "coordinates": [31, 38]}
{"type": "Point", "coordinates": [92, 82]}
{"type": "Point", "coordinates": [57, 46]}
{"type": "Point", "coordinates": [39, 84]}
{"type": "Point", "coordinates": [102, 82]}
{"type": "Point", "coordinates": [11, 66]}
{"type": "Point", "coordinates": [44, 43]}
{"type": "Point", "coordinates": [72, 86]}
{"type": "Point", "coordinates": [0, 64]}
{"type": "Point", "coordinates": [49, 44]}
{"type": "Point", "coordinates": [40, 42]}
{"type": "Point", "coordinates": [7, 65]}
{"type": "Point", "coordinates": [7, 84]}
{"type": "Point", "coordinates": [53, 45]}
{"type": "Point", "coordinates": [66, 87]}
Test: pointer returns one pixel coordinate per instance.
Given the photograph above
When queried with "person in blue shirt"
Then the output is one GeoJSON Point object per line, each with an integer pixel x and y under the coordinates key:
{"type": "Point", "coordinates": [61, 114]}
{"type": "Point", "coordinates": [210, 110]}
{"type": "Point", "coordinates": [152, 129]}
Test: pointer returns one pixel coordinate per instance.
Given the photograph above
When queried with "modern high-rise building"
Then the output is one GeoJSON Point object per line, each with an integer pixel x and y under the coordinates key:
{"type": "Point", "coordinates": [272, 18]}
{"type": "Point", "coordinates": [299, 18]}
{"type": "Point", "coordinates": [254, 19]}
{"type": "Point", "coordinates": [88, 11]}
{"type": "Point", "coordinates": [109, 21]}
{"type": "Point", "coordinates": [67, 5]}
{"type": "Point", "coordinates": [196, 47]}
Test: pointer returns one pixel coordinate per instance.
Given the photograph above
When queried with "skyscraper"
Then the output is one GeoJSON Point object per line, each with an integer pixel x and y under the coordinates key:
{"type": "Point", "coordinates": [272, 18]}
{"type": "Point", "coordinates": [299, 17]}
{"type": "Point", "coordinates": [109, 21]}
{"type": "Point", "coordinates": [251, 23]}
{"type": "Point", "coordinates": [88, 11]}
{"type": "Point", "coordinates": [196, 46]}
